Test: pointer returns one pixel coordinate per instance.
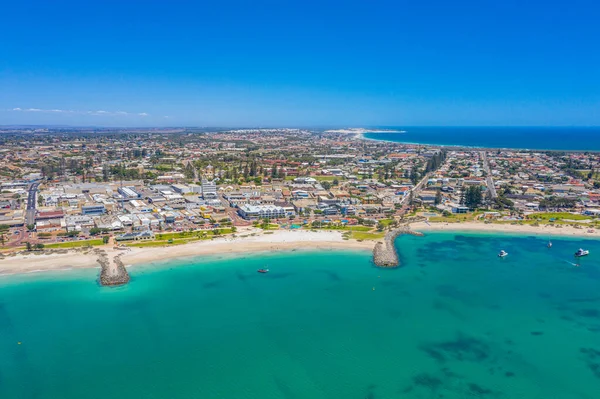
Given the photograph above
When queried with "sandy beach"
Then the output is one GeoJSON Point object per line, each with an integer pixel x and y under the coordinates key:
{"type": "Point", "coordinates": [243, 243]}
{"type": "Point", "coordinates": [278, 241]}
{"type": "Point", "coordinates": [41, 261]}
{"type": "Point", "coordinates": [542, 230]}
{"type": "Point", "coordinates": [255, 240]}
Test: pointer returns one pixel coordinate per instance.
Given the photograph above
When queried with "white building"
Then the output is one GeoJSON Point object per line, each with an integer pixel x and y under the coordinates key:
{"type": "Point", "coordinates": [209, 189]}
{"type": "Point", "coordinates": [248, 211]}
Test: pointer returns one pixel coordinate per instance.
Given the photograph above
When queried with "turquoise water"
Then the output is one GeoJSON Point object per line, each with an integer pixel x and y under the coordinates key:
{"type": "Point", "coordinates": [539, 138]}
{"type": "Point", "coordinates": [454, 322]}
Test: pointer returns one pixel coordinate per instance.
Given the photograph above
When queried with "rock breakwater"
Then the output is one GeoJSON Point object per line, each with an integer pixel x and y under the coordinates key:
{"type": "Point", "coordinates": [112, 273]}
{"type": "Point", "coordinates": [384, 253]}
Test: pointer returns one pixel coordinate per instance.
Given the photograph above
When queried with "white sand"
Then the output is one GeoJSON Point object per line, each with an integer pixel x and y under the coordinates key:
{"type": "Point", "coordinates": [45, 262]}
{"type": "Point", "coordinates": [542, 230]}
{"type": "Point", "coordinates": [243, 243]}
{"type": "Point", "coordinates": [261, 242]}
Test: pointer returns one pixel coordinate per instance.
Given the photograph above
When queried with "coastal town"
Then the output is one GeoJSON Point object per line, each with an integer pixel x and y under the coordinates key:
{"type": "Point", "coordinates": [136, 188]}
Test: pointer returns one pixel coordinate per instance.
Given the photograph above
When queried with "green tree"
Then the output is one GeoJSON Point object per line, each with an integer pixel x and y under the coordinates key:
{"type": "Point", "coordinates": [438, 197]}
{"type": "Point", "coordinates": [28, 246]}
{"type": "Point", "coordinates": [474, 197]}
{"type": "Point", "coordinates": [39, 246]}
{"type": "Point", "coordinates": [326, 185]}
{"type": "Point", "coordinates": [105, 239]}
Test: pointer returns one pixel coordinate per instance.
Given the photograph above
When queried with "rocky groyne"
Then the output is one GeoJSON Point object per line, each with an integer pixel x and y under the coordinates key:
{"type": "Point", "coordinates": [384, 253]}
{"type": "Point", "coordinates": [112, 272]}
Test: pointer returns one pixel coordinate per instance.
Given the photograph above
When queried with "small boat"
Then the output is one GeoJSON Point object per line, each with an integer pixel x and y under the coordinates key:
{"type": "Point", "coordinates": [502, 254]}
{"type": "Point", "coordinates": [549, 244]}
{"type": "Point", "coordinates": [263, 270]}
{"type": "Point", "coordinates": [581, 252]}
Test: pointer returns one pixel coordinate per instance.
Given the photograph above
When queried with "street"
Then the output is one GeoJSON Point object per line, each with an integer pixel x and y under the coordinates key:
{"type": "Point", "coordinates": [489, 181]}
{"type": "Point", "coordinates": [31, 203]}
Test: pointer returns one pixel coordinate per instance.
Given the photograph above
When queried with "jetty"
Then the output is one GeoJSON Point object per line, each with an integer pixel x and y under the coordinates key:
{"type": "Point", "coordinates": [384, 253]}
{"type": "Point", "coordinates": [112, 270]}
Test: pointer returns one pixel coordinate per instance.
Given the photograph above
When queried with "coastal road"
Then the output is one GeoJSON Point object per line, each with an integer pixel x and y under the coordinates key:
{"type": "Point", "coordinates": [489, 181]}
{"type": "Point", "coordinates": [31, 202]}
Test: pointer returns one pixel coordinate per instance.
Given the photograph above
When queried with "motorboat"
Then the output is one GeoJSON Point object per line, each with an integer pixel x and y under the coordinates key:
{"type": "Point", "coordinates": [502, 254]}
{"type": "Point", "coordinates": [581, 252]}
{"type": "Point", "coordinates": [263, 270]}
{"type": "Point", "coordinates": [549, 244]}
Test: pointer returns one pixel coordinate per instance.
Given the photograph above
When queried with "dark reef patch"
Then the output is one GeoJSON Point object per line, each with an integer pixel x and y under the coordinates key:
{"type": "Point", "coordinates": [427, 381]}
{"type": "Point", "coordinates": [333, 276]}
{"type": "Point", "coordinates": [212, 284]}
{"type": "Point", "coordinates": [478, 390]}
{"type": "Point", "coordinates": [461, 349]}
{"type": "Point", "coordinates": [591, 357]}
{"type": "Point", "coordinates": [284, 388]}
{"type": "Point", "coordinates": [589, 313]}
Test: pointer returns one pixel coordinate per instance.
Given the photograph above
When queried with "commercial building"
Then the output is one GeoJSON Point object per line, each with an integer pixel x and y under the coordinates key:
{"type": "Point", "coordinates": [209, 189]}
{"type": "Point", "coordinates": [248, 211]}
{"type": "Point", "coordinates": [93, 210]}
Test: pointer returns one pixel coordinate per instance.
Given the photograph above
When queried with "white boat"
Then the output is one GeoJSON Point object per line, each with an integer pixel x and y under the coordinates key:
{"type": "Point", "coordinates": [581, 252]}
{"type": "Point", "coordinates": [549, 244]}
{"type": "Point", "coordinates": [502, 254]}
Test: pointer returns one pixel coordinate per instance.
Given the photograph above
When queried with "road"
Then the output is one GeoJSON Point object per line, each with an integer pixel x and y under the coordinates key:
{"type": "Point", "coordinates": [489, 181]}
{"type": "Point", "coordinates": [415, 189]}
{"type": "Point", "coordinates": [31, 203]}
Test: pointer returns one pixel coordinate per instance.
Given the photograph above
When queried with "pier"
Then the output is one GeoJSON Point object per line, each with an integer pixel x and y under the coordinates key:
{"type": "Point", "coordinates": [384, 253]}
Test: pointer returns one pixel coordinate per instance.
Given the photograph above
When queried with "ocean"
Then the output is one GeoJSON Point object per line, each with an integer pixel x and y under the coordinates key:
{"type": "Point", "coordinates": [535, 138]}
{"type": "Point", "coordinates": [455, 321]}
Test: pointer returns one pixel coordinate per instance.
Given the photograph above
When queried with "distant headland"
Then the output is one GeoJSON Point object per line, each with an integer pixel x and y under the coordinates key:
{"type": "Point", "coordinates": [360, 130]}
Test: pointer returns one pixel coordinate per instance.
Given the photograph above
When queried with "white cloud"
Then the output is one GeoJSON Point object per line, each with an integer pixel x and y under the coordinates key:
{"type": "Point", "coordinates": [70, 111]}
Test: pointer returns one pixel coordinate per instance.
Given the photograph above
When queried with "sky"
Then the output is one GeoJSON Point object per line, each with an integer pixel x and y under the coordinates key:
{"type": "Point", "coordinates": [300, 63]}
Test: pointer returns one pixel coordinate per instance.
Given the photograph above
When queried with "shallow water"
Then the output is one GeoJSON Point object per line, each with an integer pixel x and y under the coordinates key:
{"type": "Point", "coordinates": [454, 322]}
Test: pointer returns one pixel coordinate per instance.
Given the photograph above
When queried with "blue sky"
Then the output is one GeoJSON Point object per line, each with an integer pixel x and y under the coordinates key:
{"type": "Point", "coordinates": [309, 63]}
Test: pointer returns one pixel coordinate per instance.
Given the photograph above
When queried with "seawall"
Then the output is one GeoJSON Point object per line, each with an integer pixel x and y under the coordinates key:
{"type": "Point", "coordinates": [384, 253]}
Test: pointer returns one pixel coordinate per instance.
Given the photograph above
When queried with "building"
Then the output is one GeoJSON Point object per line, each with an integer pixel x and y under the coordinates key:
{"type": "Point", "coordinates": [95, 210]}
{"type": "Point", "coordinates": [209, 189]}
{"type": "Point", "coordinates": [128, 192]}
{"type": "Point", "coordinates": [136, 236]}
{"type": "Point", "coordinates": [248, 211]}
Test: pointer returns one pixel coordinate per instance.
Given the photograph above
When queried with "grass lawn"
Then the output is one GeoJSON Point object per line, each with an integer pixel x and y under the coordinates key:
{"type": "Point", "coordinates": [177, 238]}
{"type": "Point", "coordinates": [386, 222]}
{"type": "Point", "coordinates": [545, 216]}
{"type": "Point", "coordinates": [339, 227]}
{"type": "Point", "coordinates": [271, 226]}
{"type": "Point", "coordinates": [75, 244]}
{"type": "Point", "coordinates": [358, 235]}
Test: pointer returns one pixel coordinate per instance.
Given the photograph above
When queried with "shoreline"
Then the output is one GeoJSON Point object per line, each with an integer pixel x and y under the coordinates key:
{"type": "Point", "coordinates": [277, 242]}
{"type": "Point", "coordinates": [497, 228]}
{"type": "Point", "coordinates": [458, 147]}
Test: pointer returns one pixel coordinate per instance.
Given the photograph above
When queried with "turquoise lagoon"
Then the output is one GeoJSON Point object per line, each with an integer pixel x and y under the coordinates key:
{"type": "Point", "coordinates": [454, 322]}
